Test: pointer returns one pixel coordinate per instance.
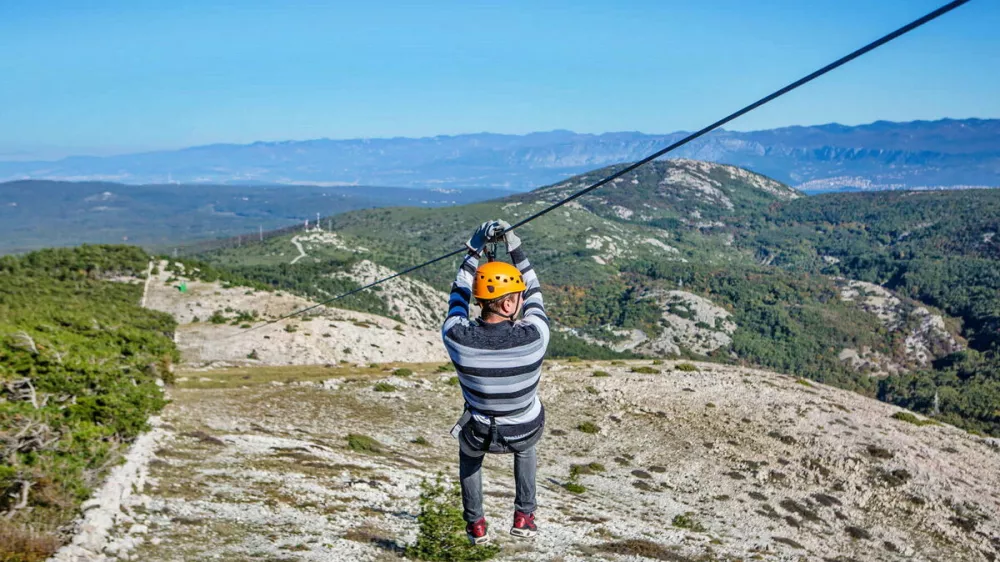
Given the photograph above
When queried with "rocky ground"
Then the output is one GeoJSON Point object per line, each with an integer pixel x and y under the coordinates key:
{"type": "Point", "coordinates": [721, 463]}
{"type": "Point", "coordinates": [325, 335]}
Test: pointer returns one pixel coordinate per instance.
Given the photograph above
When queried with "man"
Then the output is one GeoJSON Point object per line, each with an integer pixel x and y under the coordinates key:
{"type": "Point", "coordinates": [499, 363]}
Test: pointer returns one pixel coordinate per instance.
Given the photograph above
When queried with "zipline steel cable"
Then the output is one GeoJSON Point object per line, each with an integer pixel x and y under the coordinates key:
{"type": "Point", "coordinates": [701, 132]}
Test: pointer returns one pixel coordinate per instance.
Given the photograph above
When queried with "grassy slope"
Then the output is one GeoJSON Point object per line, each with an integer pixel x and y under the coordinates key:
{"type": "Point", "coordinates": [92, 355]}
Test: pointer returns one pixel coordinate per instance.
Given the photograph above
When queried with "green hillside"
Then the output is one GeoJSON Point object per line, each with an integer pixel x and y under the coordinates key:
{"type": "Point", "coordinates": [78, 363]}
{"type": "Point", "coordinates": [640, 255]}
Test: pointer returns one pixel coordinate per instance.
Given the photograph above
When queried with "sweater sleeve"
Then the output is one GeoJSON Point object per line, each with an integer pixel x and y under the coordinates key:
{"type": "Point", "coordinates": [461, 294]}
{"type": "Point", "coordinates": [534, 305]}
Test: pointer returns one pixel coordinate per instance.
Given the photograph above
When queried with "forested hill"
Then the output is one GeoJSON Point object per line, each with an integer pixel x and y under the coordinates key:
{"type": "Point", "coordinates": [687, 258]}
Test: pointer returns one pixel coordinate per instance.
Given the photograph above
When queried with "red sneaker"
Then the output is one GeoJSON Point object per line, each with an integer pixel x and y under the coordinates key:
{"type": "Point", "coordinates": [524, 525]}
{"type": "Point", "coordinates": [477, 532]}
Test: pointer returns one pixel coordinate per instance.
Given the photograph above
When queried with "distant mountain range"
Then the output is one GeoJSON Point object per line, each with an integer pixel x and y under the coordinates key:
{"type": "Point", "coordinates": [943, 154]}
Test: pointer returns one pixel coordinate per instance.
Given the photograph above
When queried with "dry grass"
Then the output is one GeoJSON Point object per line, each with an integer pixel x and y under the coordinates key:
{"type": "Point", "coordinates": [259, 375]}
{"type": "Point", "coordinates": [18, 544]}
{"type": "Point", "coordinates": [643, 549]}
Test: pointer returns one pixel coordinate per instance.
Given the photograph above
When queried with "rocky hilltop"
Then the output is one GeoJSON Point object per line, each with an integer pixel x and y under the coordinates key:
{"type": "Point", "coordinates": [668, 461]}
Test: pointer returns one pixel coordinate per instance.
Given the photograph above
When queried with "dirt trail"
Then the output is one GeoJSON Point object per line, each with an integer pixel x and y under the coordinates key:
{"type": "Point", "coordinates": [302, 252]}
{"type": "Point", "coordinates": [724, 463]}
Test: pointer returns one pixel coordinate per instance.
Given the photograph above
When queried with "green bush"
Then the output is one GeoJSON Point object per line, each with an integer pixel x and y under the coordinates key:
{"type": "Point", "coordinates": [588, 427]}
{"type": "Point", "coordinates": [685, 521]}
{"type": "Point", "coordinates": [592, 390]}
{"type": "Point", "coordinates": [910, 418]}
{"type": "Point", "coordinates": [601, 374]}
{"type": "Point", "coordinates": [575, 487]}
{"type": "Point", "coordinates": [402, 372]}
{"type": "Point", "coordinates": [686, 367]}
{"type": "Point", "coordinates": [420, 441]}
{"type": "Point", "coordinates": [444, 368]}
{"type": "Point", "coordinates": [384, 387]}
{"type": "Point", "coordinates": [453, 381]}
{"type": "Point", "coordinates": [363, 444]}
{"type": "Point", "coordinates": [441, 534]}
{"type": "Point", "coordinates": [218, 317]}
{"type": "Point", "coordinates": [644, 370]}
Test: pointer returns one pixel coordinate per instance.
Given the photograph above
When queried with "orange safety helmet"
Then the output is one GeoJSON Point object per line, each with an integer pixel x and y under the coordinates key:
{"type": "Point", "coordinates": [495, 279]}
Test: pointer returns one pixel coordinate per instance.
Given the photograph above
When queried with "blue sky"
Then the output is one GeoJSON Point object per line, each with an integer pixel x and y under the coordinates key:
{"type": "Point", "coordinates": [116, 77]}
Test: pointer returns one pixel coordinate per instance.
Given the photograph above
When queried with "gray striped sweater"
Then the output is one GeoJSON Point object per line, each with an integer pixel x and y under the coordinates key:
{"type": "Point", "coordinates": [499, 365]}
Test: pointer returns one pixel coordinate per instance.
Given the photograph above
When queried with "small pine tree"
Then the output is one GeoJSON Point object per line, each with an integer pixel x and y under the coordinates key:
{"type": "Point", "coordinates": [442, 529]}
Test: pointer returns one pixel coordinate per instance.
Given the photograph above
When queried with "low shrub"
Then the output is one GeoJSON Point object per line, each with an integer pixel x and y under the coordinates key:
{"type": "Point", "coordinates": [601, 374]}
{"type": "Point", "coordinates": [384, 387]}
{"type": "Point", "coordinates": [685, 521]}
{"type": "Point", "coordinates": [644, 370]}
{"type": "Point", "coordinates": [910, 418]}
{"type": "Point", "coordinates": [686, 367]}
{"type": "Point", "coordinates": [402, 372]}
{"type": "Point", "coordinates": [363, 443]}
{"type": "Point", "coordinates": [441, 534]}
{"type": "Point", "coordinates": [588, 427]}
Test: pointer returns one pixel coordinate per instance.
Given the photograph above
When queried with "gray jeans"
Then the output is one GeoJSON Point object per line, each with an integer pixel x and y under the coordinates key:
{"type": "Point", "coordinates": [470, 471]}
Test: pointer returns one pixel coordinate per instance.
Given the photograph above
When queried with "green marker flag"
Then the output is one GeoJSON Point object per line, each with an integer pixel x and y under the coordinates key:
{"type": "Point", "coordinates": [183, 287]}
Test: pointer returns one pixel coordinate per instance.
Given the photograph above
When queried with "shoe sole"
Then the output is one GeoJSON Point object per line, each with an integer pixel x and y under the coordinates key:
{"type": "Point", "coordinates": [474, 541]}
{"type": "Point", "coordinates": [523, 533]}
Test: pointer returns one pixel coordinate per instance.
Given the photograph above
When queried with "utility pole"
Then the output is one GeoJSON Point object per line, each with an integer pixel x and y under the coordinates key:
{"type": "Point", "coordinates": [260, 229]}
